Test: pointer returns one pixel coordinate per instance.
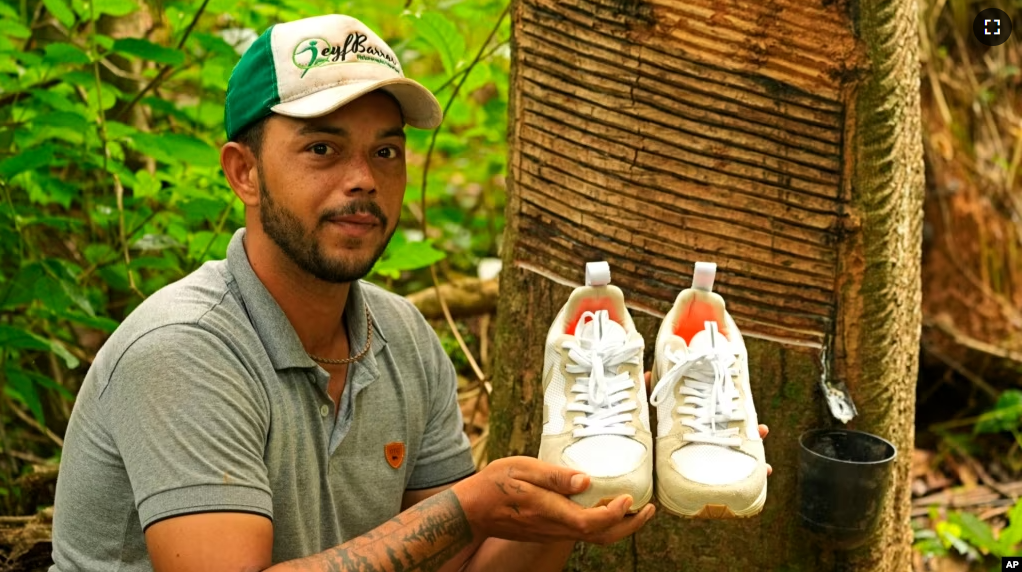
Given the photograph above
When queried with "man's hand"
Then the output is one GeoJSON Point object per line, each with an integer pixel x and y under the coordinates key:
{"type": "Point", "coordinates": [522, 498]}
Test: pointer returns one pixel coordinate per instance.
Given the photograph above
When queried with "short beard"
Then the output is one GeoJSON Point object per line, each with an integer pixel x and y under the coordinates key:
{"type": "Point", "coordinates": [301, 245]}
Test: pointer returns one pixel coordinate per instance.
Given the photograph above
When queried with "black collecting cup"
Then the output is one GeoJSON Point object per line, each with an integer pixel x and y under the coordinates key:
{"type": "Point", "coordinates": [843, 477]}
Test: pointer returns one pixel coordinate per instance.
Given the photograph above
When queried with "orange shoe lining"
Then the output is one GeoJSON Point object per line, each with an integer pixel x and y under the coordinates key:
{"type": "Point", "coordinates": [593, 305]}
{"type": "Point", "coordinates": [694, 321]}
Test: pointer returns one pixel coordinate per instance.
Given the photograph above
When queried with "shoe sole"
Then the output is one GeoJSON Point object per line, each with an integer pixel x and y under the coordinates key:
{"type": "Point", "coordinates": [716, 511]}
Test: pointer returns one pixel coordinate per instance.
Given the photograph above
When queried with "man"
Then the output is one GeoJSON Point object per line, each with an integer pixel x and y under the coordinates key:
{"type": "Point", "coordinates": [271, 411]}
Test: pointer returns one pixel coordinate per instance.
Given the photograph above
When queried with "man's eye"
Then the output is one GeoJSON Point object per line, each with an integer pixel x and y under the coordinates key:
{"type": "Point", "coordinates": [320, 148]}
{"type": "Point", "coordinates": [387, 153]}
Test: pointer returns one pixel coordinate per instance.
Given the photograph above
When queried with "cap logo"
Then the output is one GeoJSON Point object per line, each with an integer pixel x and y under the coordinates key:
{"type": "Point", "coordinates": [316, 52]}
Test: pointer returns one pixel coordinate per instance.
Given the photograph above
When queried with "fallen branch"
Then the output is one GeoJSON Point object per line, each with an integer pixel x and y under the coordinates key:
{"type": "Point", "coordinates": [25, 543]}
{"type": "Point", "coordinates": [975, 497]}
{"type": "Point", "coordinates": [943, 324]}
{"type": "Point", "coordinates": [464, 298]}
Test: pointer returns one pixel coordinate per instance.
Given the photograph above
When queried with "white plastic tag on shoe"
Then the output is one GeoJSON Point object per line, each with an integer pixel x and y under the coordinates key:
{"type": "Point", "coordinates": [597, 273]}
{"type": "Point", "coordinates": [702, 279]}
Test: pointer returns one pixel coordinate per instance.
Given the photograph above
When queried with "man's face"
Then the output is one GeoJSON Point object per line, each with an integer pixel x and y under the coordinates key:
{"type": "Point", "coordinates": [331, 188]}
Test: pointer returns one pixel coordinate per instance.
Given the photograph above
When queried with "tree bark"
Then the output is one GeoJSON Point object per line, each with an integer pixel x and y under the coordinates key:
{"type": "Point", "coordinates": [780, 140]}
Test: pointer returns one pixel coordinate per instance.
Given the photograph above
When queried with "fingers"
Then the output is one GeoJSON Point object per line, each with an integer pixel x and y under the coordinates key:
{"type": "Point", "coordinates": [625, 527]}
{"type": "Point", "coordinates": [591, 524]}
{"type": "Point", "coordinates": [763, 432]}
{"type": "Point", "coordinates": [544, 475]}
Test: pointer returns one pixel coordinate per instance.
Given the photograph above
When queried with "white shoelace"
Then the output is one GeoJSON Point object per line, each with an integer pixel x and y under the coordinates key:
{"type": "Point", "coordinates": [710, 394]}
{"type": "Point", "coordinates": [605, 399]}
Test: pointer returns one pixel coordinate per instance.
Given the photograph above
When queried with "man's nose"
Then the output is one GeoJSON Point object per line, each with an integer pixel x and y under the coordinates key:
{"type": "Point", "coordinates": [358, 176]}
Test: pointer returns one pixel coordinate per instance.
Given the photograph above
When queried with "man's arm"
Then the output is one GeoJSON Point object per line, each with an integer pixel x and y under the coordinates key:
{"type": "Point", "coordinates": [492, 554]}
{"type": "Point", "coordinates": [421, 538]}
{"type": "Point", "coordinates": [442, 529]}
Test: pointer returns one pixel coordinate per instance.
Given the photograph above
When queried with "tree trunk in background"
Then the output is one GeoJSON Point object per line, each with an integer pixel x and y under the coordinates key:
{"type": "Point", "coordinates": [779, 140]}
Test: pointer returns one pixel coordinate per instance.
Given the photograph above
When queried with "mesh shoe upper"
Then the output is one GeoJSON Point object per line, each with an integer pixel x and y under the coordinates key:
{"type": "Point", "coordinates": [596, 417]}
{"type": "Point", "coordinates": [707, 435]}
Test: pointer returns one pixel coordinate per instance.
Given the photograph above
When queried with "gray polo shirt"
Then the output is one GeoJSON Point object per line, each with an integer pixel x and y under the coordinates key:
{"type": "Point", "coordinates": [205, 400]}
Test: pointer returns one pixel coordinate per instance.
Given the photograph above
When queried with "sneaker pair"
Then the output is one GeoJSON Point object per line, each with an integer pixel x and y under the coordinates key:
{"type": "Point", "coordinates": [709, 455]}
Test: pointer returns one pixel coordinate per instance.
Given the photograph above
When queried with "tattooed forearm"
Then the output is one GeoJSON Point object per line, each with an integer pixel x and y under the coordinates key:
{"type": "Point", "coordinates": [421, 539]}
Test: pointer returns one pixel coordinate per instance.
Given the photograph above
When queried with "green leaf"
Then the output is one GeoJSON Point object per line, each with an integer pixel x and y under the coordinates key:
{"type": "Point", "coordinates": [11, 337]}
{"type": "Point", "coordinates": [24, 385]}
{"type": "Point", "coordinates": [408, 256]}
{"type": "Point", "coordinates": [68, 283]}
{"type": "Point", "coordinates": [96, 322]}
{"type": "Point", "coordinates": [115, 276]}
{"type": "Point", "coordinates": [45, 189]}
{"type": "Point", "coordinates": [975, 531]}
{"type": "Point", "coordinates": [27, 160]}
{"type": "Point", "coordinates": [146, 185]}
{"type": "Point", "coordinates": [114, 7]}
{"type": "Point", "coordinates": [118, 130]}
{"type": "Point", "coordinates": [104, 41]}
{"type": "Point", "coordinates": [62, 119]}
{"type": "Point", "coordinates": [149, 51]}
{"type": "Point", "coordinates": [951, 535]}
{"type": "Point", "coordinates": [206, 245]}
{"type": "Point", "coordinates": [69, 358]}
{"type": "Point", "coordinates": [14, 29]}
{"type": "Point", "coordinates": [440, 33]}
{"type": "Point", "coordinates": [8, 65]}
{"type": "Point", "coordinates": [51, 282]}
{"type": "Point", "coordinates": [1011, 535]}
{"type": "Point", "coordinates": [60, 223]}
{"type": "Point", "coordinates": [48, 383]}
{"type": "Point", "coordinates": [61, 12]}
{"type": "Point", "coordinates": [166, 107]}
{"type": "Point", "coordinates": [176, 148]}
{"type": "Point", "coordinates": [30, 59]}
{"type": "Point", "coordinates": [8, 12]}
{"type": "Point", "coordinates": [20, 388]}
{"type": "Point", "coordinates": [155, 263]}
{"type": "Point", "coordinates": [64, 53]}
{"type": "Point", "coordinates": [55, 99]}
{"type": "Point", "coordinates": [29, 284]}
{"type": "Point", "coordinates": [1005, 416]}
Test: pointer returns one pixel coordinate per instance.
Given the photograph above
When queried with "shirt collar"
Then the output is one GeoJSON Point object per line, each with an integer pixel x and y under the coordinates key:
{"type": "Point", "coordinates": [275, 330]}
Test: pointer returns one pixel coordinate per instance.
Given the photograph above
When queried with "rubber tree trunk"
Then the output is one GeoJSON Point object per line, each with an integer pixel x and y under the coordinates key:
{"type": "Point", "coordinates": [780, 140]}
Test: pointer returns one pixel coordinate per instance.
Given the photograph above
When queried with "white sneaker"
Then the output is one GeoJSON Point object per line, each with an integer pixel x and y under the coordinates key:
{"type": "Point", "coordinates": [710, 460]}
{"type": "Point", "coordinates": [595, 416]}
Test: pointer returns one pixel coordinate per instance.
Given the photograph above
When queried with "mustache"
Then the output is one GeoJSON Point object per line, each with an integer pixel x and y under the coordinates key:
{"type": "Point", "coordinates": [355, 208]}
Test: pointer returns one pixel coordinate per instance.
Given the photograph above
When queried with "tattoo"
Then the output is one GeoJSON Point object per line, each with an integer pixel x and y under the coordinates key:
{"type": "Point", "coordinates": [421, 539]}
{"type": "Point", "coordinates": [518, 488]}
{"type": "Point", "coordinates": [501, 487]}
{"type": "Point", "coordinates": [514, 505]}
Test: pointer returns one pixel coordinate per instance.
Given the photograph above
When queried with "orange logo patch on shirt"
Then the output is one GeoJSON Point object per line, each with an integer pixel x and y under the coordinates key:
{"type": "Point", "coordinates": [395, 453]}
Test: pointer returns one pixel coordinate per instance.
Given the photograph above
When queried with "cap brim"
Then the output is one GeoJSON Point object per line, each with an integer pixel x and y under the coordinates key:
{"type": "Point", "coordinates": [419, 107]}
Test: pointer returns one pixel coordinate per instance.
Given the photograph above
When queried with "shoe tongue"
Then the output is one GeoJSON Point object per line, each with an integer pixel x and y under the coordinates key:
{"type": "Point", "coordinates": [710, 340]}
{"type": "Point", "coordinates": [600, 329]}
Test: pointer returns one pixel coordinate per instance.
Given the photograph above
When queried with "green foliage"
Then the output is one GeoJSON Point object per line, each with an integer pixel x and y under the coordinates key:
{"type": "Point", "coordinates": [1006, 415]}
{"type": "Point", "coordinates": [111, 119]}
{"type": "Point", "coordinates": [967, 535]}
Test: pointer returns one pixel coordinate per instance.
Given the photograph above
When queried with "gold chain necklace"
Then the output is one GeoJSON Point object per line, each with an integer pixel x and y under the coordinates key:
{"type": "Point", "coordinates": [361, 354]}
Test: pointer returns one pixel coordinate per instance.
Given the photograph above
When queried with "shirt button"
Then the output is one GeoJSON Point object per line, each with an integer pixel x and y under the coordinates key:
{"type": "Point", "coordinates": [324, 410]}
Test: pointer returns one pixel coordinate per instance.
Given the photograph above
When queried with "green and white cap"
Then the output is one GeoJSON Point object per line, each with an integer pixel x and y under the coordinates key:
{"type": "Point", "coordinates": [311, 67]}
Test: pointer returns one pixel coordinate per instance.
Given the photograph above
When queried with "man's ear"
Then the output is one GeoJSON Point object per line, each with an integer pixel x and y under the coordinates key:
{"type": "Point", "coordinates": [239, 165]}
